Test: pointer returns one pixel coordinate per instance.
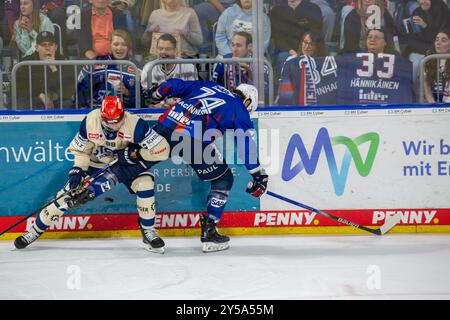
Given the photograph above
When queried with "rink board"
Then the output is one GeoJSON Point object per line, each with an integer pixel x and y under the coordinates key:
{"type": "Point", "coordinates": [326, 178]}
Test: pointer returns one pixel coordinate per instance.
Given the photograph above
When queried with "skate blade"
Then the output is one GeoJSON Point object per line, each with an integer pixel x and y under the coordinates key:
{"type": "Point", "coordinates": [213, 247]}
{"type": "Point", "coordinates": [151, 249]}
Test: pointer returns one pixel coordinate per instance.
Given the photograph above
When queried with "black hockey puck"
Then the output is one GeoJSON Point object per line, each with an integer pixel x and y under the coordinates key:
{"type": "Point", "coordinates": [108, 199]}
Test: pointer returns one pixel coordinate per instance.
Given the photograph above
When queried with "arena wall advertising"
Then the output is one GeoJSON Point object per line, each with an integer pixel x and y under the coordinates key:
{"type": "Point", "coordinates": [360, 163]}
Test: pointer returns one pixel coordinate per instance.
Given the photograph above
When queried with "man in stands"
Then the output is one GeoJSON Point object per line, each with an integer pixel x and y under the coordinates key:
{"type": "Point", "coordinates": [167, 49]}
{"type": "Point", "coordinates": [231, 75]}
{"type": "Point", "coordinates": [97, 23]}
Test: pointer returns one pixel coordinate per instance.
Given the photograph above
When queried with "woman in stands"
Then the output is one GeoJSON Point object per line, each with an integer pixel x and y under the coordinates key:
{"type": "Point", "coordinates": [437, 74]}
{"type": "Point", "coordinates": [182, 22]}
{"type": "Point", "coordinates": [30, 23]}
{"type": "Point", "coordinates": [313, 45]}
{"type": "Point", "coordinates": [430, 17]}
{"type": "Point", "coordinates": [379, 41]}
{"type": "Point", "coordinates": [110, 80]}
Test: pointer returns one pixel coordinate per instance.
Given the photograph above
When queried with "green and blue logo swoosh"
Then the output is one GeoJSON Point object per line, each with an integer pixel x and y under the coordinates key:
{"type": "Point", "coordinates": [323, 141]}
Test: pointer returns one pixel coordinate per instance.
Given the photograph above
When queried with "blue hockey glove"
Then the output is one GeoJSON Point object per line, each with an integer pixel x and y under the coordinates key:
{"type": "Point", "coordinates": [76, 176]}
{"type": "Point", "coordinates": [128, 156]}
{"type": "Point", "coordinates": [258, 186]}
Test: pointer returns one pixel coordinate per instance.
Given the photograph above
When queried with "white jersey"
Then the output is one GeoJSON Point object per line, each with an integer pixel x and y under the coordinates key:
{"type": "Point", "coordinates": [160, 74]}
{"type": "Point", "coordinates": [93, 147]}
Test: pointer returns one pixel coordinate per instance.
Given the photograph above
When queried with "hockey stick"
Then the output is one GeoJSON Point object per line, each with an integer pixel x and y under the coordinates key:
{"type": "Point", "coordinates": [388, 224]}
{"type": "Point", "coordinates": [83, 185]}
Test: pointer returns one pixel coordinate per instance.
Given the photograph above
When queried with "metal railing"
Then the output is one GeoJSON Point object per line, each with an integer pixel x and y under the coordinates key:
{"type": "Point", "coordinates": [422, 73]}
{"type": "Point", "coordinates": [75, 64]}
{"type": "Point", "coordinates": [2, 93]}
{"type": "Point", "coordinates": [152, 64]}
{"type": "Point", "coordinates": [58, 36]}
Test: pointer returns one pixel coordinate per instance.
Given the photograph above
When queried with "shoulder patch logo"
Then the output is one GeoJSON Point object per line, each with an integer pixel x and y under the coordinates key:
{"type": "Point", "coordinates": [93, 135]}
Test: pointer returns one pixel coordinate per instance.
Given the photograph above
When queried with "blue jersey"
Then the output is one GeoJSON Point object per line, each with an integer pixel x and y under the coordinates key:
{"type": "Point", "coordinates": [232, 75]}
{"type": "Point", "coordinates": [308, 81]}
{"type": "Point", "coordinates": [367, 78]}
{"type": "Point", "coordinates": [205, 105]}
{"type": "Point", "coordinates": [106, 80]}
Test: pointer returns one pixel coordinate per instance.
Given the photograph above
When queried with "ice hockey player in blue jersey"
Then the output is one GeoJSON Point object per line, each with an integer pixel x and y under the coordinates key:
{"type": "Point", "coordinates": [104, 136]}
{"type": "Point", "coordinates": [207, 109]}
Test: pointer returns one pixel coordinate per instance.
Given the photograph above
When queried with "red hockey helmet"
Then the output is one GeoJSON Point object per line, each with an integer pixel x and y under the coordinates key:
{"type": "Point", "coordinates": [112, 112]}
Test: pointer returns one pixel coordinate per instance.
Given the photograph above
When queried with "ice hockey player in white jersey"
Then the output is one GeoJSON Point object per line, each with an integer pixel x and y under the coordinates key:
{"type": "Point", "coordinates": [107, 134]}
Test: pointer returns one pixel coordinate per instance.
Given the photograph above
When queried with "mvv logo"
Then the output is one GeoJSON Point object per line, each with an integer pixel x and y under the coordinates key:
{"type": "Point", "coordinates": [323, 141]}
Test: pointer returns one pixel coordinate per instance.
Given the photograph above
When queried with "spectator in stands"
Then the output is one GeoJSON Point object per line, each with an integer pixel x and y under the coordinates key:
{"type": "Point", "coordinates": [232, 75]}
{"type": "Point", "coordinates": [236, 18]}
{"type": "Point", "coordinates": [30, 23]}
{"type": "Point", "coordinates": [289, 87]}
{"type": "Point", "coordinates": [146, 7]}
{"type": "Point", "coordinates": [110, 80]}
{"type": "Point", "coordinates": [59, 78]}
{"type": "Point", "coordinates": [437, 79]}
{"type": "Point", "coordinates": [98, 21]}
{"type": "Point", "coordinates": [182, 22]}
{"type": "Point", "coordinates": [363, 18]}
{"type": "Point", "coordinates": [125, 6]}
{"type": "Point", "coordinates": [312, 45]}
{"type": "Point", "coordinates": [4, 91]}
{"type": "Point", "coordinates": [132, 16]}
{"type": "Point", "coordinates": [378, 41]}
{"type": "Point", "coordinates": [56, 11]}
{"type": "Point", "coordinates": [208, 12]}
{"type": "Point", "coordinates": [167, 49]}
{"type": "Point", "coordinates": [430, 17]}
{"type": "Point", "coordinates": [289, 22]}
{"type": "Point", "coordinates": [328, 17]}
{"type": "Point", "coordinates": [12, 13]}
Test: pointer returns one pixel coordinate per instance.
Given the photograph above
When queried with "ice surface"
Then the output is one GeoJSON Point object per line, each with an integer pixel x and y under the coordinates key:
{"type": "Point", "coordinates": [255, 267]}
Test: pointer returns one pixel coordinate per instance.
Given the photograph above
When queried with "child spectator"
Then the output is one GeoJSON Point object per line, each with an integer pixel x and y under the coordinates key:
{"type": "Point", "coordinates": [437, 74]}
{"type": "Point", "coordinates": [236, 18]}
{"type": "Point", "coordinates": [175, 18]}
{"type": "Point", "coordinates": [30, 23]}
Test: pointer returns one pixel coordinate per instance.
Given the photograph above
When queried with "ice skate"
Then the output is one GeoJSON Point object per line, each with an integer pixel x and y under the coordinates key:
{"type": "Point", "coordinates": [151, 241]}
{"type": "Point", "coordinates": [24, 240]}
{"type": "Point", "coordinates": [211, 239]}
